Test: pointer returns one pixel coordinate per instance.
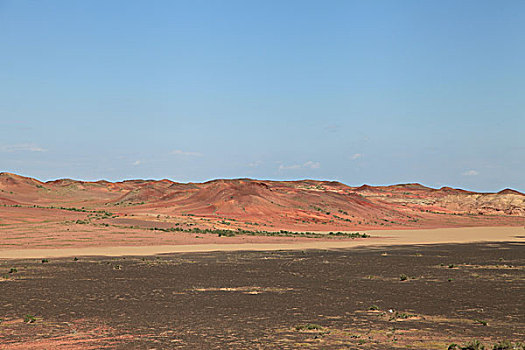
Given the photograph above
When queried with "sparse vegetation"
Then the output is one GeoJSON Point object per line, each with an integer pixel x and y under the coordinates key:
{"type": "Point", "coordinates": [226, 233]}
{"type": "Point", "coordinates": [403, 277]}
{"type": "Point", "coordinates": [507, 345]}
{"type": "Point", "coordinates": [351, 235]}
{"type": "Point", "coordinates": [473, 345]}
{"type": "Point", "coordinates": [477, 345]}
{"type": "Point", "coordinates": [240, 231]}
{"type": "Point", "coordinates": [308, 327]}
{"type": "Point", "coordinates": [29, 319]}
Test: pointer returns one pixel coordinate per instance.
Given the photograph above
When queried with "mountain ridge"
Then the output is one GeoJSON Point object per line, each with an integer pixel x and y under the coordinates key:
{"type": "Point", "coordinates": [412, 185]}
{"type": "Point", "coordinates": [298, 204]}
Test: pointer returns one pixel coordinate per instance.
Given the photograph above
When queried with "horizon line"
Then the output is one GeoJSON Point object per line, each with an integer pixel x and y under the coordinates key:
{"type": "Point", "coordinates": [257, 179]}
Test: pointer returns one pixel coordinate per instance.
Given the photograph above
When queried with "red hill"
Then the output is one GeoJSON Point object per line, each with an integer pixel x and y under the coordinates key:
{"type": "Point", "coordinates": [301, 205]}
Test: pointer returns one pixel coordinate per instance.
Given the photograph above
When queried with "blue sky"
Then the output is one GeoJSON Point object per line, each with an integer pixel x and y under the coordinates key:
{"type": "Point", "coordinates": [375, 92]}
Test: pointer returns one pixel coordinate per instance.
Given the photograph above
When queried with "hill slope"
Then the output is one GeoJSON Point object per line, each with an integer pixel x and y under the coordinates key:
{"type": "Point", "coordinates": [247, 203]}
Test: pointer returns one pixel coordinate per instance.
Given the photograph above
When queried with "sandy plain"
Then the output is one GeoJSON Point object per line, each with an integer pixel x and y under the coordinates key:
{"type": "Point", "coordinates": [243, 243]}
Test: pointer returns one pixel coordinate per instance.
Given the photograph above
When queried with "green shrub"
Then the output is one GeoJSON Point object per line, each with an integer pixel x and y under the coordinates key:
{"type": "Point", "coordinates": [503, 345]}
{"type": "Point", "coordinates": [507, 345]}
{"type": "Point", "coordinates": [309, 327]}
{"type": "Point", "coordinates": [481, 322]}
{"type": "Point", "coordinates": [473, 345]}
{"type": "Point", "coordinates": [29, 319]}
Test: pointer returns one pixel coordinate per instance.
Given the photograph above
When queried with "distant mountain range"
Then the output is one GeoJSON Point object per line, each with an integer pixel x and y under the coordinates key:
{"type": "Point", "coordinates": [304, 204]}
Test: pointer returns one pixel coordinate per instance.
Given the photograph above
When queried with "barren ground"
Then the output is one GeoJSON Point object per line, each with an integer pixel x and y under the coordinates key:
{"type": "Point", "coordinates": [148, 242]}
{"type": "Point", "coordinates": [227, 264]}
{"type": "Point", "coordinates": [322, 299]}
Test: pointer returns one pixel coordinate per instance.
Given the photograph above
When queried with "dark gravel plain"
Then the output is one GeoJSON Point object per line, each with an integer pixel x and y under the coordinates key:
{"type": "Point", "coordinates": [420, 297]}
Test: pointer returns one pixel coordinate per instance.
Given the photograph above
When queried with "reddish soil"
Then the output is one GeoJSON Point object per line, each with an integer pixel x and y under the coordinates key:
{"type": "Point", "coordinates": [351, 298]}
{"type": "Point", "coordinates": [66, 212]}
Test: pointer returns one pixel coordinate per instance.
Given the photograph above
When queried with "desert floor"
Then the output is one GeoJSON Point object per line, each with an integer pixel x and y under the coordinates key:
{"type": "Point", "coordinates": [420, 296]}
{"type": "Point", "coordinates": [157, 242]}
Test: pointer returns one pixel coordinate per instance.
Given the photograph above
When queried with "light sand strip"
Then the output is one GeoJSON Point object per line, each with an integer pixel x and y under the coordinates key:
{"type": "Point", "coordinates": [379, 238]}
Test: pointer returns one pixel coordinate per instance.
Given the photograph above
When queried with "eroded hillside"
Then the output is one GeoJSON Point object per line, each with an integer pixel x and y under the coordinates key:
{"type": "Point", "coordinates": [252, 204]}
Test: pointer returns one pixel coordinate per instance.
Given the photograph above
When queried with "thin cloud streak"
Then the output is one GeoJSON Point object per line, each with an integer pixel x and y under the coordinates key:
{"type": "Point", "coordinates": [22, 147]}
{"type": "Point", "coordinates": [308, 165]}
{"type": "Point", "coordinates": [179, 152]}
{"type": "Point", "coordinates": [470, 173]}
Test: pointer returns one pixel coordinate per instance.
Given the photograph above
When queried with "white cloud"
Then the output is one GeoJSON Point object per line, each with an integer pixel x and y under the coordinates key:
{"type": "Point", "coordinates": [137, 162]}
{"type": "Point", "coordinates": [255, 164]}
{"type": "Point", "coordinates": [22, 147]}
{"type": "Point", "coordinates": [289, 167]}
{"type": "Point", "coordinates": [312, 165]}
{"type": "Point", "coordinates": [470, 173]}
{"type": "Point", "coordinates": [309, 164]}
{"type": "Point", "coordinates": [356, 156]}
{"type": "Point", "coordinates": [179, 152]}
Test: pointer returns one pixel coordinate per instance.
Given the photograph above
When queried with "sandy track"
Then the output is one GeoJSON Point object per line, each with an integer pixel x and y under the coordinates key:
{"type": "Point", "coordinates": [379, 238]}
